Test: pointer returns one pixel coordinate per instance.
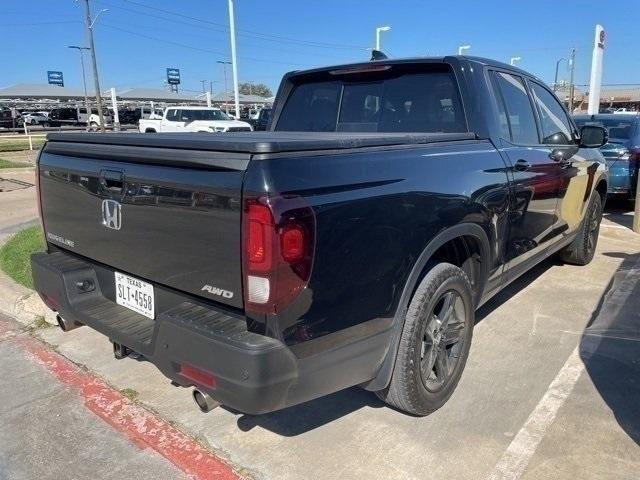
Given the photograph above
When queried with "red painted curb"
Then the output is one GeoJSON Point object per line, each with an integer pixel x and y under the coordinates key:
{"type": "Point", "coordinates": [143, 428]}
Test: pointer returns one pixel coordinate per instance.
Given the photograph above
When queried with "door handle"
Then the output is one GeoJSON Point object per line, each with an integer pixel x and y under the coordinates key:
{"type": "Point", "coordinates": [522, 165]}
{"type": "Point", "coordinates": [111, 182]}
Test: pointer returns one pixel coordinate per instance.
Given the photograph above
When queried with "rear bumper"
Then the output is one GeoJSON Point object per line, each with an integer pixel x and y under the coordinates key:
{"type": "Point", "coordinates": [252, 373]}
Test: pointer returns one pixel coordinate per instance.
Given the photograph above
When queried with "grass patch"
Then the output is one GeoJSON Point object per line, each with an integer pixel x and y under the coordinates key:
{"type": "Point", "coordinates": [9, 164]}
{"type": "Point", "coordinates": [15, 145]}
{"type": "Point", "coordinates": [15, 255]}
{"type": "Point", "coordinates": [130, 393]}
{"type": "Point", "coordinates": [38, 324]}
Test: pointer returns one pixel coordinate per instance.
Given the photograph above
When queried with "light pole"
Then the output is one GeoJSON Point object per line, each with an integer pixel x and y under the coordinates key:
{"type": "Point", "coordinates": [462, 48]}
{"type": "Point", "coordinates": [513, 60]}
{"type": "Point", "coordinates": [90, 24]}
{"type": "Point", "coordinates": [84, 79]}
{"type": "Point", "coordinates": [226, 92]}
{"type": "Point", "coordinates": [386, 28]}
{"type": "Point", "coordinates": [234, 59]}
{"type": "Point", "coordinates": [555, 78]}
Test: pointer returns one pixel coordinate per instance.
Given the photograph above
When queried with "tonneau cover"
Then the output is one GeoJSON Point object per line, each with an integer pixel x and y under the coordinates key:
{"type": "Point", "coordinates": [258, 142]}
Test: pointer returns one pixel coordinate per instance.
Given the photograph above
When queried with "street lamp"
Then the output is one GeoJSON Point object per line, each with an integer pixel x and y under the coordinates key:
{"type": "Point", "coordinates": [84, 79]}
{"type": "Point", "coordinates": [226, 92]}
{"type": "Point", "coordinates": [386, 28]}
{"type": "Point", "coordinates": [555, 78]}
{"type": "Point", "coordinates": [462, 48]}
{"type": "Point", "coordinates": [514, 60]}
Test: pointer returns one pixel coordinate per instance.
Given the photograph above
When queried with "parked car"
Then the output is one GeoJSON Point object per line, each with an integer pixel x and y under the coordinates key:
{"type": "Point", "coordinates": [78, 116]}
{"type": "Point", "coordinates": [10, 118]}
{"type": "Point", "coordinates": [94, 118]}
{"type": "Point", "coordinates": [625, 111]}
{"type": "Point", "coordinates": [262, 122]}
{"type": "Point", "coordinates": [192, 119]}
{"type": "Point", "coordinates": [128, 116]}
{"type": "Point", "coordinates": [63, 116]}
{"type": "Point", "coordinates": [348, 245]}
{"type": "Point", "coordinates": [622, 152]}
{"type": "Point", "coordinates": [36, 118]}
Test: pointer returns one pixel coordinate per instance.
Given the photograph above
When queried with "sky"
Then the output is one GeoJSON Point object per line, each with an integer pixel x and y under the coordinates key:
{"type": "Point", "coordinates": [136, 40]}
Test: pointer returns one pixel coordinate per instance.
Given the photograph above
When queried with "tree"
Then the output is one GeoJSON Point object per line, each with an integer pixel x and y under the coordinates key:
{"type": "Point", "coordinates": [259, 89]}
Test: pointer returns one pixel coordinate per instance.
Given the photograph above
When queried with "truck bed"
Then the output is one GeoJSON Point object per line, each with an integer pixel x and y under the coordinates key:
{"type": "Point", "coordinates": [258, 142]}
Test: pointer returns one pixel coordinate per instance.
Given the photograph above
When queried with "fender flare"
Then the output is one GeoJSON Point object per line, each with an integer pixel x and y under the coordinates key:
{"type": "Point", "coordinates": [383, 376]}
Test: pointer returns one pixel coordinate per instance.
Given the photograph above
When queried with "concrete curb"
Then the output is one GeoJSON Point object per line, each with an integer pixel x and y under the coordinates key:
{"type": "Point", "coordinates": [142, 425]}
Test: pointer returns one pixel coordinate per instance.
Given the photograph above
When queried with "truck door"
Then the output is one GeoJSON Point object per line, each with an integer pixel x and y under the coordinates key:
{"type": "Point", "coordinates": [172, 122]}
{"type": "Point", "coordinates": [576, 167]}
{"type": "Point", "coordinates": [534, 175]}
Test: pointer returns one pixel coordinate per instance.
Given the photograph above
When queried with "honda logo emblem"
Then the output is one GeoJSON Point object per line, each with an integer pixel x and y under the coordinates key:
{"type": "Point", "coordinates": [111, 214]}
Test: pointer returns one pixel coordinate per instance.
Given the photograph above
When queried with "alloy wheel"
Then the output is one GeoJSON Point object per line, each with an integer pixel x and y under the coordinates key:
{"type": "Point", "coordinates": [442, 340]}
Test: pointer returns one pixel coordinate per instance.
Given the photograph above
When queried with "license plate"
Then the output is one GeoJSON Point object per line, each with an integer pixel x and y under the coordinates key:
{"type": "Point", "coordinates": [135, 294]}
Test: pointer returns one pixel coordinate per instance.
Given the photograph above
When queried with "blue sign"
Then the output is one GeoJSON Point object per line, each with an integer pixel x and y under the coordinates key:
{"type": "Point", "coordinates": [55, 78]}
{"type": "Point", "coordinates": [173, 76]}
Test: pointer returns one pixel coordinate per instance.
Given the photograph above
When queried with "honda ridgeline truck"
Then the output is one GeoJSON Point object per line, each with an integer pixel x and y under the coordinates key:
{"type": "Point", "coordinates": [350, 244]}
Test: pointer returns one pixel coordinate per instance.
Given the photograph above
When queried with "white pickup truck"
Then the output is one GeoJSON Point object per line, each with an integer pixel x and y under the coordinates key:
{"type": "Point", "coordinates": [192, 119]}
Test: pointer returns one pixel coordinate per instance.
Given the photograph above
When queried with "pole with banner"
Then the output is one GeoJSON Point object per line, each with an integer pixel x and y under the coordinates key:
{"type": "Point", "coordinates": [595, 82]}
{"type": "Point", "coordinates": [173, 78]}
{"type": "Point", "coordinates": [55, 78]}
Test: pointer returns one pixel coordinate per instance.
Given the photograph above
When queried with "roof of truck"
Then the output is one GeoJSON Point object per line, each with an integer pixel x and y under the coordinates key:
{"type": "Point", "coordinates": [439, 59]}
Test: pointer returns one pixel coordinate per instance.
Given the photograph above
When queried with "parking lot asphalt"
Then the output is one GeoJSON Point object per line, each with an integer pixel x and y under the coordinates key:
{"type": "Point", "coordinates": [551, 390]}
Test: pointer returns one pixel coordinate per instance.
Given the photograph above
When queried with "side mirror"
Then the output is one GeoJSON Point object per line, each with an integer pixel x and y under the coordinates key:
{"type": "Point", "coordinates": [592, 136]}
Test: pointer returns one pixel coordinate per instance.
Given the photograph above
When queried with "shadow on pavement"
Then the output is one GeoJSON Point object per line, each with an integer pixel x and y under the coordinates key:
{"type": "Point", "coordinates": [514, 287]}
{"type": "Point", "coordinates": [302, 418]}
{"type": "Point", "coordinates": [610, 345]}
{"type": "Point", "coordinates": [617, 211]}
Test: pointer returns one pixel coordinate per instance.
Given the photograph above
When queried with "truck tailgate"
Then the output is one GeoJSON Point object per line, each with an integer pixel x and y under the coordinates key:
{"type": "Point", "coordinates": [166, 216]}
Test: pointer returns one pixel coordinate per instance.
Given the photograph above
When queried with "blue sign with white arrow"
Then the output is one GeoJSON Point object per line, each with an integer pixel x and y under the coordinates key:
{"type": "Point", "coordinates": [173, 76]}
{"type": "Point", "coordinates": [55, 78]}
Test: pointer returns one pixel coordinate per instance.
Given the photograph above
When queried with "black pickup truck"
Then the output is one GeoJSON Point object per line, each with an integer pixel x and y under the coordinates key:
{"type": "Point", "coordinates": [348, 245]}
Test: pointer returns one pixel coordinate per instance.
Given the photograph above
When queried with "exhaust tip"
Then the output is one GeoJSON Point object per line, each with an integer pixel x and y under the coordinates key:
{"type": "Point", "coordinates": [67, 325]}
{"type": "Point", "coordinates": [204, 401]}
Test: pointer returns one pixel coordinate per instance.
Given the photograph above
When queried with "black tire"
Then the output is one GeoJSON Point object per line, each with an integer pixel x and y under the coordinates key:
{"type": "Point", "coordinates": [416, 385]}
{"type": "Point", "coordinates": [582, 249]}
{"type": "Point", "coordinates": [93, 126]}
{"type": "Point", "coordinates": [45, 124]}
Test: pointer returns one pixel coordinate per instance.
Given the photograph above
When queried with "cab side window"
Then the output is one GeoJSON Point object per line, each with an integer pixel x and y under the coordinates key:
{"type": "Point", "coordinates": [519, 112]}
{"type": "Point", "coordinates": [172, 115]}
{"type": "Point", "coordinates": [556, 129]}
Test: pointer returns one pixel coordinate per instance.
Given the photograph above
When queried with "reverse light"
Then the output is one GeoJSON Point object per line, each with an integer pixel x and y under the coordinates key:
{"type": "Point", "coordinates": [278, 239]}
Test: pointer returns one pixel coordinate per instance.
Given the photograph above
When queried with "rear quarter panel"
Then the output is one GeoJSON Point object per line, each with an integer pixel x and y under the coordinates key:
{"type": "Point", "coordinates": [376, 211]}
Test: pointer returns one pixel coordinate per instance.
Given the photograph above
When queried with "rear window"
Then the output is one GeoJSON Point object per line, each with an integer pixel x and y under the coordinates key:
{"type": "Point", "coordinates": [616, 128]}
{"type": "Point", "coordinates": [391, 101]}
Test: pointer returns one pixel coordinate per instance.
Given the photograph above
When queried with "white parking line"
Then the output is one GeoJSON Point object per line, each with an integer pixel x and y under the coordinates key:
{"type": "Point", "coordinates": [516, 457]}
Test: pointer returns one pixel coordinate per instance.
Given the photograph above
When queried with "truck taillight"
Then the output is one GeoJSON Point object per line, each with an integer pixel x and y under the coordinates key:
{"type": "Point", "coordinates": [278, 239]}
